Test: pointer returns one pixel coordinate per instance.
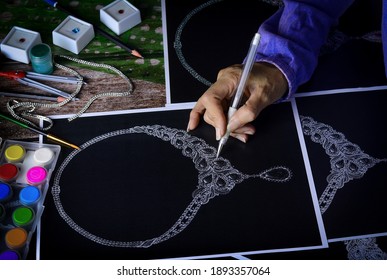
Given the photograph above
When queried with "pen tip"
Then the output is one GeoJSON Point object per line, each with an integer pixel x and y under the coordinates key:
{"type": "Point", "coordinates": [219, 149]}
{"type": "Point", "coordinates": [137, 54]}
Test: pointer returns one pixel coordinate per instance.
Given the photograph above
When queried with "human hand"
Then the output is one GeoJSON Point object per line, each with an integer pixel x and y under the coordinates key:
{"type": "Point", "coordinates": [265, 85]}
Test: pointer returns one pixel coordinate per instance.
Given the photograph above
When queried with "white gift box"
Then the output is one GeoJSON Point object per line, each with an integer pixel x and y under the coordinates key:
{"type": "Point", "coordinates": [18, 42]}
{"type": "Point", "coordinates": [73, 34]}
{"type": "Point", "coordinates": [120, 16]}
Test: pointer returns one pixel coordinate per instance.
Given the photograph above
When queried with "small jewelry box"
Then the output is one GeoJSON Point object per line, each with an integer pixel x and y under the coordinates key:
{"type": "Point", "coordinates": [18, 42]}
{"type": "Point", "coordinates": [120, 16]}
{"type": "Point", "coordinates": [73, 34]}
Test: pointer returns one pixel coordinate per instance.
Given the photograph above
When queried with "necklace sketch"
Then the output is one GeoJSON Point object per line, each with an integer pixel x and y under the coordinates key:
{"type": "Point", "coordinates": [178, 45]}
{"type": "Point", "coordinates": [216, 177]}
{"type": "Point", "coordinates": [348, 161]}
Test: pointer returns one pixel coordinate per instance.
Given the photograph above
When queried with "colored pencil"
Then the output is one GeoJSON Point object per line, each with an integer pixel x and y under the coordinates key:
{"type": "Point", "coordinates": [35, 96]}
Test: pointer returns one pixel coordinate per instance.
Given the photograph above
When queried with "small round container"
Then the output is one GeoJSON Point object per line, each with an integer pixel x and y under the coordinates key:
{"type": "Point", "coordinates": [43, 156]}
{"type": "Point", "coordinates": [9, 255]}
{"type": "Point", "coordinates": [23, 216]}
{"type": "Point", "coordinates": [29, 195]}
{"type": "Point", "coordinates": [16, 238]}
{"type": "Point", "coordinates": [41, 59]}
{"type": "Point", "coordinates": [8, 172]}
{"type": "Point", "coordinates": [15, 153]}
{"type": "Point", "coordinates": [2, 212]}
{"type": "Point", "coordinates": [5, 192]}
{"type": "Point", "coordinates": [36, 175]}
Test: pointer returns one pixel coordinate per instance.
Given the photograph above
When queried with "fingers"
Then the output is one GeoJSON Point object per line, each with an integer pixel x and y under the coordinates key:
{"type": "Point", "coordinates": [243, 133]}
{"type": "Point", "coordinates": [213, 103]}
{"type": "Point", "coordinates": [266, 84]}
{"type": "Point", "coordinates": [211, 108]}
{"type": "Point", "coordinates": [194, 117]}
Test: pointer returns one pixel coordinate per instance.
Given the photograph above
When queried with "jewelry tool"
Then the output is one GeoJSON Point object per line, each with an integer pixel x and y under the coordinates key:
{"type": "Point", "coordinates": [241, 86]}
{"type": "Point", "coordinates": [49, 136]}
{"type": "Point", "coordinates": [28, 79]}
{"type": "Point", "coordinates": [100, 31]}
{"type": "Point", "coordinates": [35, 96]}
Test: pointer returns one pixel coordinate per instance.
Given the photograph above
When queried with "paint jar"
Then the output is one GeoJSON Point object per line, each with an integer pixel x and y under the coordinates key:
{"type": "Point", "coordinates": [16, 238]}
{"type": "Point", "coordinates": [9, 255]}
{"type": "Point", "coordinates": [15, 153]}
{"type": "Point", "coordinates": [29, 195]}
{"type": "Point", "coordinates": [41, 59]}
{"type": "Point", "coordinates": [23, 216]}
{"type": "Point", "coordinates": [43, 156]}
{"type": "Point", "coordinates": [5, 192]}
{"type": "Point", "coordinates": [36, 175]}
{"type": "Point", "coordinates": [8, 172]}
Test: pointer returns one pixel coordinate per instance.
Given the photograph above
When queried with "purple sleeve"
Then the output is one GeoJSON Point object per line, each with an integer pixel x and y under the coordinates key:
{"type": "Point", "coordinates": [291, 39]}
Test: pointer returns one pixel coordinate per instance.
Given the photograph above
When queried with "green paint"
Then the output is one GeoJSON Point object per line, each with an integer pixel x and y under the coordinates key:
{"type": "Point", "coordinates": [22, 216]}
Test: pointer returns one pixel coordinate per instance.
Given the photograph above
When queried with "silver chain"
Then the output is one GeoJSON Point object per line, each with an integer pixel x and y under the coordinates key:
{"type": "Point", "coordinates": [26, 108]}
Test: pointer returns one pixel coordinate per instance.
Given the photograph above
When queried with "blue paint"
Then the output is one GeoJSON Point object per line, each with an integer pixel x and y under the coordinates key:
{"type": "Point", "coordinates": [29, 195]}
{"type": "Point", "coordinates": [5, 192]}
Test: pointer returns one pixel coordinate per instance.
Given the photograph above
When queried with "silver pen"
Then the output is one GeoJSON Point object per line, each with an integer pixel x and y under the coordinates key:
{"type": "Point", "coordinates": [241, 87]}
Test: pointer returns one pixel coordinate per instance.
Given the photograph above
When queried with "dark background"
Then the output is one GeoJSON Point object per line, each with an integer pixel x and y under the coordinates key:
{"type": "Point", "coordinates": [219, 36]}
{"type": "Point", "coordinates": [153, 183]}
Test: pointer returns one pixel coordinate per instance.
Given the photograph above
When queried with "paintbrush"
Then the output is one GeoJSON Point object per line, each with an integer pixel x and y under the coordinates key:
{"type": "Point", "coordinates": [49, 136]}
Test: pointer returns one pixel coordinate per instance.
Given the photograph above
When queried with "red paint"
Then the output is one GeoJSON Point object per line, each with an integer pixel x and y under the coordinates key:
{"type": "Point", "coordinates": [8, 172]}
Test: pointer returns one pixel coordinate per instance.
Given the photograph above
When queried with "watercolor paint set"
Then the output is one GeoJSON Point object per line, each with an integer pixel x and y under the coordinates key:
{"type": "Point", "coordinates": [25, 171]}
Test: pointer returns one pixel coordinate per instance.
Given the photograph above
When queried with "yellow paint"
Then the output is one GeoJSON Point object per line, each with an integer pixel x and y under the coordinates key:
{"type": "Point", "coordinates": [15, 153]}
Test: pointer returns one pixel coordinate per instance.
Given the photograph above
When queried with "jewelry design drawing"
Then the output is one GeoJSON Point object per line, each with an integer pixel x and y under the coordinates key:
{"type": "Point", "coordinates": [216, 177]}
{"type": "Point", "coordinates": [348, 161]}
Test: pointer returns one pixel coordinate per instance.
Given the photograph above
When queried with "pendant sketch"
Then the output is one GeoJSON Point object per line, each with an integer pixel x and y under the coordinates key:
{"type": "Point", "coordinates": [348, 161]}
{"type": "Point", "coordinates": [216, 177]}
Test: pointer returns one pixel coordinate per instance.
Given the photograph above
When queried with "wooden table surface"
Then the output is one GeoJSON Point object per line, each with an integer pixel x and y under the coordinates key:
{"type": "Point", "coordinates": [146, 74]}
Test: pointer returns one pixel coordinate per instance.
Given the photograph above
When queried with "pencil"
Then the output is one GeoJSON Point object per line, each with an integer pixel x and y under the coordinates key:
{"type": "Point", "coordinates": [49, 136]}
{"type": "Point", "coordinates": [100, 31]}
{"type": "Point", "coordinates": [34, 96]}
{"type": "Point", "coordinates": [241, 87]}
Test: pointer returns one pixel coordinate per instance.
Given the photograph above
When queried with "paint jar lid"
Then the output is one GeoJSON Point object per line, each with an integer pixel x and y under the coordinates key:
{"type": "Point", "coordinates": [36, 175]}
{"type": "Point", "coordinates": [22, 216]}
{"type": "Point", "coordinates": [40, 51]}
{"type": "Point", "coordinates": [8, 172]}
{"type": "Point", "coordinates": [5, 191]}
{"type": "Point", "coordinates": [16, 238]}
{"type": "Point", "coordinates": [43, 156]}
{"type": "Point", "coordinates": [9, 255]}
{"type": "Point", "coordinates": [15, 153]}
{"type": "Point", "coordinates": [29, 195]}
{"type": "Point", "coordinates": [41, 59]}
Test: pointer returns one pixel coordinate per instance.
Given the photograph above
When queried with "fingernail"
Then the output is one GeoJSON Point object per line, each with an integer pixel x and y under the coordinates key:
{"type": "Point", "coordinates": [241, 138]}
{"type": "Point", "coordinates": [188, 129]}
{"type": "Point", "coordinates": [232, 125]}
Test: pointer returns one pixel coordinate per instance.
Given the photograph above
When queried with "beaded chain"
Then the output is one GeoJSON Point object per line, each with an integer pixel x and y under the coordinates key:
{"type": "Point", "coordinates": [26, 108]}
{"type": "Point", "coordinates": [216, 177]}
